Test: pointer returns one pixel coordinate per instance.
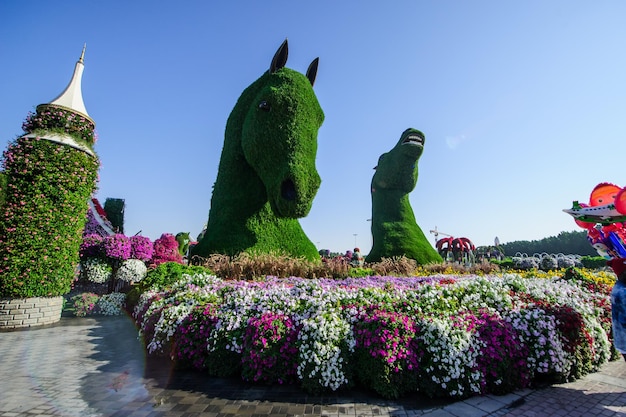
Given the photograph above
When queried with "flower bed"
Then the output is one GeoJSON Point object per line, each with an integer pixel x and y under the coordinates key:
{"type": "Point", "coordinates": [445, 336]}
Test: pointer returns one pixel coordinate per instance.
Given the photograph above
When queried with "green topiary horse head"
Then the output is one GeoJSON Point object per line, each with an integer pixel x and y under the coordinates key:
{"type": "Point", "coordinates": [394, 230]}
{"type": "Point", "coordinates": [267, 177]}
{"type": "Point", "coordinates": [183, 242]}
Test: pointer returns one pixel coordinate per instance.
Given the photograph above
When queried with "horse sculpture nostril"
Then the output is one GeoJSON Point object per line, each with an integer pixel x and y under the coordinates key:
{"type": "Point", "coordinates": [288, 190]}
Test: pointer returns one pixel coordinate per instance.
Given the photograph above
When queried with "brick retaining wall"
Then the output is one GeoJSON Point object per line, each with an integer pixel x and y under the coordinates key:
{"type": "Point", "coordinates": [28, 312]}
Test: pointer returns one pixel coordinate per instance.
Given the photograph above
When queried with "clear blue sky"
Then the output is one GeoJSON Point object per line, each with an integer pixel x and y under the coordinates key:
{"type": "Point", "coordinates": [523, 104]}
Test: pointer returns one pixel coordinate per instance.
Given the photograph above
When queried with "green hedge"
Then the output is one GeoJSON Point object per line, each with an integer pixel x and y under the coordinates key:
{"type": "Point", "coordinates": [593, 262]}
{"type": "Point", "coordinates": [163, 276]}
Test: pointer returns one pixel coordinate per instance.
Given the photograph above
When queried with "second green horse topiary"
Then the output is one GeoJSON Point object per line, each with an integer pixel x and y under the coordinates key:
{"type": "Point", "coordinates": [394, 229]}
{"type": "Point", "coordinates": [267, 177]}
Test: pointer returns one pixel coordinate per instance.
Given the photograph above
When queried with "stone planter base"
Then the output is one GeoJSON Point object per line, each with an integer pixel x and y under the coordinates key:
{"type": "Point", "coordinates": [29, 312]}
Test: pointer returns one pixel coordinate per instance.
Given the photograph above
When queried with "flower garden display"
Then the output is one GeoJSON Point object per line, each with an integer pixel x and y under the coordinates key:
{"type": "Point", "coordinates": [84, 304]}
{"type": "Point", "coordinates": [117, 259]}
{"type": "Point", "coordinates": [267, 177]}
{"type": "Point", "coordinates": [394, 229]}
{"type": "Point", "coordinates": [111, 304]}
{"type": "Point", "coordinates": [96, 270]}
{"type": "Point", "coordinates": [51, 173]}
{"type": "Point", "coordinates": [442, 336]}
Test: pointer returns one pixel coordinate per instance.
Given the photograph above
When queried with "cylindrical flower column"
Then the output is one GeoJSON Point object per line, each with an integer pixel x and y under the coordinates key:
{"type": "Point", "coordinates": [51, 173]}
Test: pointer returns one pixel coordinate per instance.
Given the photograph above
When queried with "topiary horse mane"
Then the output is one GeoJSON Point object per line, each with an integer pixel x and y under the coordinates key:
{"type": "Point", "coordinates": [394, 229]}
{"type": "Point", "coordinates": [267, 177]}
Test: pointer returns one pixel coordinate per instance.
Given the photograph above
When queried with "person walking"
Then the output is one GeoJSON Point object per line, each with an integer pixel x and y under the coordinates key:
{"type": "Point", "coordinates": [618, 304]}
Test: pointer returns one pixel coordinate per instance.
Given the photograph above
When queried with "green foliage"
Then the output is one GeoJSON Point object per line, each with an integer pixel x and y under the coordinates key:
{"type": "Point", "coordinates": [360, 272]}
{"type": "Point", "coordinates": [168, 273]}
{"type": "Point", "coordinates": [506, 263]}
{"type": "Point", "coordinates": [565, 242]}
{"type": "Point", "coordinates": [593, 262]}
{"type": "Point", "coordinates": [259, 194]}
{"type": "Point", "coordinates": [394, 229]}
{"type": "Point", "coordinates": [162, 276]}
{"type": "Point", "coordinates": [3, 186]}
{"type": "Point", "coordinates": [114, 208]}
{"type": "Point", "coordinates": [48, 188]}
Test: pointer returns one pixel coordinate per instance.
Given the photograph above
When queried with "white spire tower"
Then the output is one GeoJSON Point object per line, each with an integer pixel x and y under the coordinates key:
{"type": "Point", "coordinates": [72, 97]}
{"type": "Point", "coordinates": [70, 100]}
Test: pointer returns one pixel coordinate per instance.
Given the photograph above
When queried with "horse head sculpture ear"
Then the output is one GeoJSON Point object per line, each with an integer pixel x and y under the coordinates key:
{"type": "Point", "coordinates": [311, 72]}
{"type": "Point", "coordinates": [280, 57]}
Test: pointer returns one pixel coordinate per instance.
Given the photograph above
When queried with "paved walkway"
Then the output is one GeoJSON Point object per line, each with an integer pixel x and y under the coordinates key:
{"type": "Point", "coordinates": [96, 367]}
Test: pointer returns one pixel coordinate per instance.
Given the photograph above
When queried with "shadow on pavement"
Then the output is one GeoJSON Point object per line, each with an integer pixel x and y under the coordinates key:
{"type": "Point", "coordinates": [562, 401]}
{"type": "Point", "coordinates": [129, 381]}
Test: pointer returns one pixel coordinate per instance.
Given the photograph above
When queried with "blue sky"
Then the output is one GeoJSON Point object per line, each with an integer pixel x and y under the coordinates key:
{"type": "Point", "coordinates": [523, 104]}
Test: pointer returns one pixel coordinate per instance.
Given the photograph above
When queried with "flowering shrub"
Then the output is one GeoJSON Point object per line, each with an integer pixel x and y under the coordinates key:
{"type": "Point", "coordinates": [141, 247]}
{"type": "Point", "coordinates": [111, 304]}
{"type": "Point", "coordinates": [117, 258]}
{"type": "Point", "coordinates": [450, 362]}
{"type": "Point", "coordinates": [269, 351]}
{"type": "Point", "coordinates": [95, 270]}
{"type": "Point", "coordinates": [452, 336]}
{"type": "Point", "coordinates": [192, 338]}
{"type": "Point", "coordinates": [564, 262]}
{"type": "Point", "coordinates": [326, 343]}
{"type": "Point", "coordinates": [166, 250]}
{"type": "Point", "coordinates": [525, 262]}
{"type": "Point", "coordinates": [116, 247]}
{"type": "Point", "coordinates": [387, 352]}
{"type": "Point", "coordinates": [91, 246]}
{"type": "Point", "coordinates": [131, 270]}
{"type": "Point", "coordinates": [84, 304]}
{"type": "Point", "coordinates": [538, 331]}
{"type": "Point", "coordinates": [159, 315]}
{"type": "Point", "coordinates": [549, 262]}
{"type": "Point", "coordinates": [502, 360]}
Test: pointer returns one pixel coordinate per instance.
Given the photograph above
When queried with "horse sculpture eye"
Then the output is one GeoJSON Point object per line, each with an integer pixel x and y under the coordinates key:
{"type": "Point", "coordinates": [265, 106]}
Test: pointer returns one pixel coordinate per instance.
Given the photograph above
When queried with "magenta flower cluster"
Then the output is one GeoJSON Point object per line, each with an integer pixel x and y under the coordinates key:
{"type": "Point", "coordinates": [192, 338]}
{"type": "Point", "coordinates": [142, 248]}
{"type": "Point", "coordinates": [91, 246]}
{"type": "Point", "coordinates": [503, 357]}
{"type": "Point", "coordinates": [117, 247]}
{"type": "Point", "coordinates": [269, 349]}
{"type": "Point", "coordinates": [388, 352]}
{"type": "Point", "coordinates": [166, 250]}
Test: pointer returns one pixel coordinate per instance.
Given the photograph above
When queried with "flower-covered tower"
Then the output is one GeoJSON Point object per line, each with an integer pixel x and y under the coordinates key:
{"type": "Point", "coordinates": [50, 174]}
